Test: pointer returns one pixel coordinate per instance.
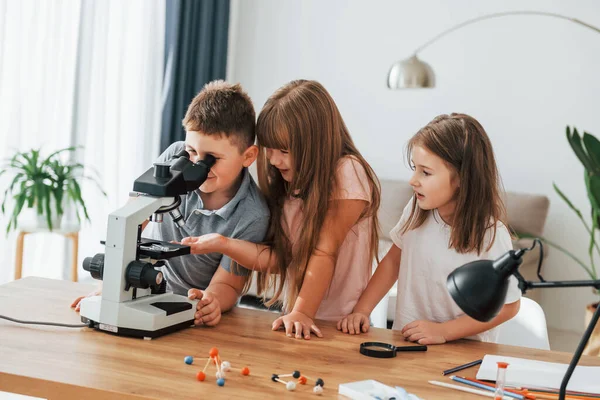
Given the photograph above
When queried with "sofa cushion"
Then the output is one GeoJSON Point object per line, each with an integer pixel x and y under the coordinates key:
{"type": "Point", "coordinates": [394, 197]}
{"type": "Point", "coordinates": [526, 212]}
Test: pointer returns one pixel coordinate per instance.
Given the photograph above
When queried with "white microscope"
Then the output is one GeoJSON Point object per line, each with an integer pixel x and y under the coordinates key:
{"type": "Point", "coordinates": [131, 303]}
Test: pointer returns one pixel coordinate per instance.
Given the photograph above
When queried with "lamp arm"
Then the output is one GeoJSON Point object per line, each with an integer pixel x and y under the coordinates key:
{"type": "Point", "coordinates": [559, 284]}
{"type": "Point", "coordinates": [525, 285]}
{"type": "Point", "coordinates": [502, 14]}
{"type": "Point", "coordinates": [577, 355]}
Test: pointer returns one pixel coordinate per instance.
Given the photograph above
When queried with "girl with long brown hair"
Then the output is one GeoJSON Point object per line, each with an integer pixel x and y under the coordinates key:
{"type": "Point", "coordinates": [323, 197]}
{"type": "Point", "coordinates": [456, 216]}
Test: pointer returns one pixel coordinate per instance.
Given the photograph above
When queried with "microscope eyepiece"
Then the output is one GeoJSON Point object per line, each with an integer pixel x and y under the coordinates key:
{"type": "Point", "coordinates": [95, 266]}
{"type": "Point", "coordinates": [208, 161]}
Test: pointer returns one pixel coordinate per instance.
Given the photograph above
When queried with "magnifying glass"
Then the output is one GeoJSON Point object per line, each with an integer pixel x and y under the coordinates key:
{"type": "Point", "coordinates": [386, 350]}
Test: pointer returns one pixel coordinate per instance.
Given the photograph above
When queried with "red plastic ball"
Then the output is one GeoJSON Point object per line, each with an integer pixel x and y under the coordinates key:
{"type": "Point", "coordinates": [302, 380]}
{"type": "Point", "coordinates": [213, 352]}
{"type": "Point", "coordinates": [200, 376]}
{"type": "Point", "coordinates": [245, 371]}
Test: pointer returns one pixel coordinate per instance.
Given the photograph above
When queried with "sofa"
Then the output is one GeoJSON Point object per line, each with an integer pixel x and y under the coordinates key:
{"type": "Point", "coordinates": [526, 214]}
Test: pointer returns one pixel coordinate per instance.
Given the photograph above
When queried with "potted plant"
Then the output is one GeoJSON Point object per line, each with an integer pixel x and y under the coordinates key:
{"type": "Point", "coordinates": [45, 184]}
{"type": "Point", "coordinates": [587, 150]}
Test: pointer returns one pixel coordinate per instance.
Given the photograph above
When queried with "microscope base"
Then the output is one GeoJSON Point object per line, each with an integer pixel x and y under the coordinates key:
{"type": "Point", "coordinates": [146, 317]}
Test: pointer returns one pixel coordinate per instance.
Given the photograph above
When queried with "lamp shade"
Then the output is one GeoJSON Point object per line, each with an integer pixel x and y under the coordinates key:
{"type": "Point", "coordinates": [479, 287]}
{"type": "Point", "coordinates": [411, 73]}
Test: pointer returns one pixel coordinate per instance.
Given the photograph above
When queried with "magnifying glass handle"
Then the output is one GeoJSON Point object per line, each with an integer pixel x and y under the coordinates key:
{"type": "Point", "coordinates": [412, 348]}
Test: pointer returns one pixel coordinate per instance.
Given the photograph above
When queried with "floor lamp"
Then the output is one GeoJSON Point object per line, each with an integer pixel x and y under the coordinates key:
{"type": "Point", "coordinates": [414, 73]}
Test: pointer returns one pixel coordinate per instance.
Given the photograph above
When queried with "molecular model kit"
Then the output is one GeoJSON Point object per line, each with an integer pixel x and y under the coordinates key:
{"type": "Point", "coordinates": [224, 368]}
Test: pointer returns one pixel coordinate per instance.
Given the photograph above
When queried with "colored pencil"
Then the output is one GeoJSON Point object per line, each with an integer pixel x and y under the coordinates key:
{"type": "Point", "coordinates": [461, 367]}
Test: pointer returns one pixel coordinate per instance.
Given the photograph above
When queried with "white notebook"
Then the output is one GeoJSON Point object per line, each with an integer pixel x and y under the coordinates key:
{"type": "Point", "coordinates": [540, 374]}
{"type": "Point", "coordinates": [371, 389]}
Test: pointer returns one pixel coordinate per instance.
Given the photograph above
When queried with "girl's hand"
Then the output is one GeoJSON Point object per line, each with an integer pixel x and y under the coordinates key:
{"type": "Point", "coordinates": [424, 332]}
{"type": "Point", "coordinates": [210, 243]}
{"type": "Point", "coordinates": [299, 323]}
{"type": "Point", "coordinates": [77, 303]}
{"type": "Point", "coordinates": [208, 309]}
{"type": "Point", "coordinates": [354, 323]}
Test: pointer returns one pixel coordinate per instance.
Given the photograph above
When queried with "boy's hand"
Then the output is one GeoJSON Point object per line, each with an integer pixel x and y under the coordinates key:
{"type": "Point", "coordinates": [424, 332]}
{"type": "Point", "coordinates": [354, 323]}
{"type": "Point", "coordinates": [299, 323]}
{"type": "Point", "coordinates": [208, 309]}
{"type": "Point", "coordinates": [77, 303]}
{"type": "Point", "coordinates": [210, 243]}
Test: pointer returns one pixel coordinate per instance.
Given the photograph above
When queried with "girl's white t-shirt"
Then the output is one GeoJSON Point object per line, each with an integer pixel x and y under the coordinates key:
{"type": "Point", "coordinates": [426, 262]}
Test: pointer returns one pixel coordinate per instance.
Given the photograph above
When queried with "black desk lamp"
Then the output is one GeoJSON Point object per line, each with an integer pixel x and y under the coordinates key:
{"type": "Point", "coordinates": [479, 289]}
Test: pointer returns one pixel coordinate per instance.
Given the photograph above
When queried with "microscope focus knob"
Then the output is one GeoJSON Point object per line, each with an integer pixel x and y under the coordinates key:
{"type": "Point", "coordinates": [162, 170]}
{"type": "Point", "coordinates": [143, 275]}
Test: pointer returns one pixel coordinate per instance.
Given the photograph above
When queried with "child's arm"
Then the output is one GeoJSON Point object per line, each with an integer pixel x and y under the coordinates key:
{"type": "Point", "coordinates": [382, 281]}
{"type": "Point", "coordinates": [341, 217]}
{"type": "Point", "coordinates": [427, 332]}
{"type": "Point", "coordinates": [253, 256]}
{"type": "Point", "coordinates": [221, 295]}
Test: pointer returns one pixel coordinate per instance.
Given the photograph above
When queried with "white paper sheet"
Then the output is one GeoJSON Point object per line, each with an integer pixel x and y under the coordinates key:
{"type": "Point", "coordinates": [540, 374]}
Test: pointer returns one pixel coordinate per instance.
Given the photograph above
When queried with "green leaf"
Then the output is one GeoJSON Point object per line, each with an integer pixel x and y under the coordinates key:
{"type": "Point", "coordinates": [19, 202]}
{"type": "Point", "coordinates": [39, 196]}
{"type": "Point", "coordinates": [17, 179]}
{"type": "Point", "coordinates": [94, 171]}
{"type": "Point", "coordinates": [593, 188]}
{"type": "Point", "coordinates": [592, 145]}
{"type": "Point", "coordinates": [72, 195]}
{"type": "Point", "coordinates": [53, 155]}
{"type": "Point", "coordinates": [96, 183]}
{"type": "Point", "coordinates": [77, 190]}
{"type": "Point", "coordinates": [593, 241]}
{"type": "Point", "coordinates": [58, 196]}
{"type": "Point", "coordinates": [47, 207]}
{"type": "Point", "coordinates": [559, 248]}
{"type": "Point", "coordinates": [566, 200]}
{"type": "Point", "coordinates": [575, 142]}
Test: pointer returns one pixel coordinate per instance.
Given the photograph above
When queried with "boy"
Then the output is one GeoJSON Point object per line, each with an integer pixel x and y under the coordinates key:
{"type": "Point", "coordinates": [220, 121]}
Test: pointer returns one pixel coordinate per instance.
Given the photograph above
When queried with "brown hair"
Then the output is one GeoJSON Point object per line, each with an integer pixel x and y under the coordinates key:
{"type": "Point", "coordinates": [302, 117]}
{"type": "Point", "coordinates": [462, 143]}
{"type": "Point", "coordinates": [223, 108]}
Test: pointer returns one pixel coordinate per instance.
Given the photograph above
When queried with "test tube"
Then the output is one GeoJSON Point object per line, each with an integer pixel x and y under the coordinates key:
{"type": "Point", "coordinates": [500, 380]}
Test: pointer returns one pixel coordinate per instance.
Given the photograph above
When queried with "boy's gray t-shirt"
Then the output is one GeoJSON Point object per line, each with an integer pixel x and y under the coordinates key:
{"type": "Point", "coordinates": [245, 216]}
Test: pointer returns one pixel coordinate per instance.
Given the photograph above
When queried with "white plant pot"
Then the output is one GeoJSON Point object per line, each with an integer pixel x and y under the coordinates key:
{"type": "Point", "coordinates": [42, 222]}
{"type": "Point", "coordinates": [30, 220]}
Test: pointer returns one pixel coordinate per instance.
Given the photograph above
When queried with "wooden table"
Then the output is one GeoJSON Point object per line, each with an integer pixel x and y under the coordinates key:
{"type": "Point", "coordinates": [65, 363]}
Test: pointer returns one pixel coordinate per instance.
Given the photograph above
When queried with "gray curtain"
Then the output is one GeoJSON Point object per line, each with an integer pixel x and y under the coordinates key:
{"type": "Point", "coordinates": [196, 33]}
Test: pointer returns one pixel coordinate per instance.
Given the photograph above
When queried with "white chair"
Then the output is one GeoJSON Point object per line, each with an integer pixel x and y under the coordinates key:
{"type": "Point", "coordinates": [527, 329]}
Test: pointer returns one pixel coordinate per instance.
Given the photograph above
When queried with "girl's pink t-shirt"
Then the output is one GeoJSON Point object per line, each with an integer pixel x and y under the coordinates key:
{"type": "Point", "coordinates": [353, 266]}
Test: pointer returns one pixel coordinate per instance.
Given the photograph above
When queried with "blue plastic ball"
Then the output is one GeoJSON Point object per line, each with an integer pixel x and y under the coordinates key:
{"type": "Point", "coordinates": [221, 382]}
{"type": "Point", "coordinates": [188, 360]}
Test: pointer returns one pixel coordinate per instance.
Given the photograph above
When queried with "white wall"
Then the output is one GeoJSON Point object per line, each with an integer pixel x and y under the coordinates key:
{"type": "Point", "coordinates": [524, 77]}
